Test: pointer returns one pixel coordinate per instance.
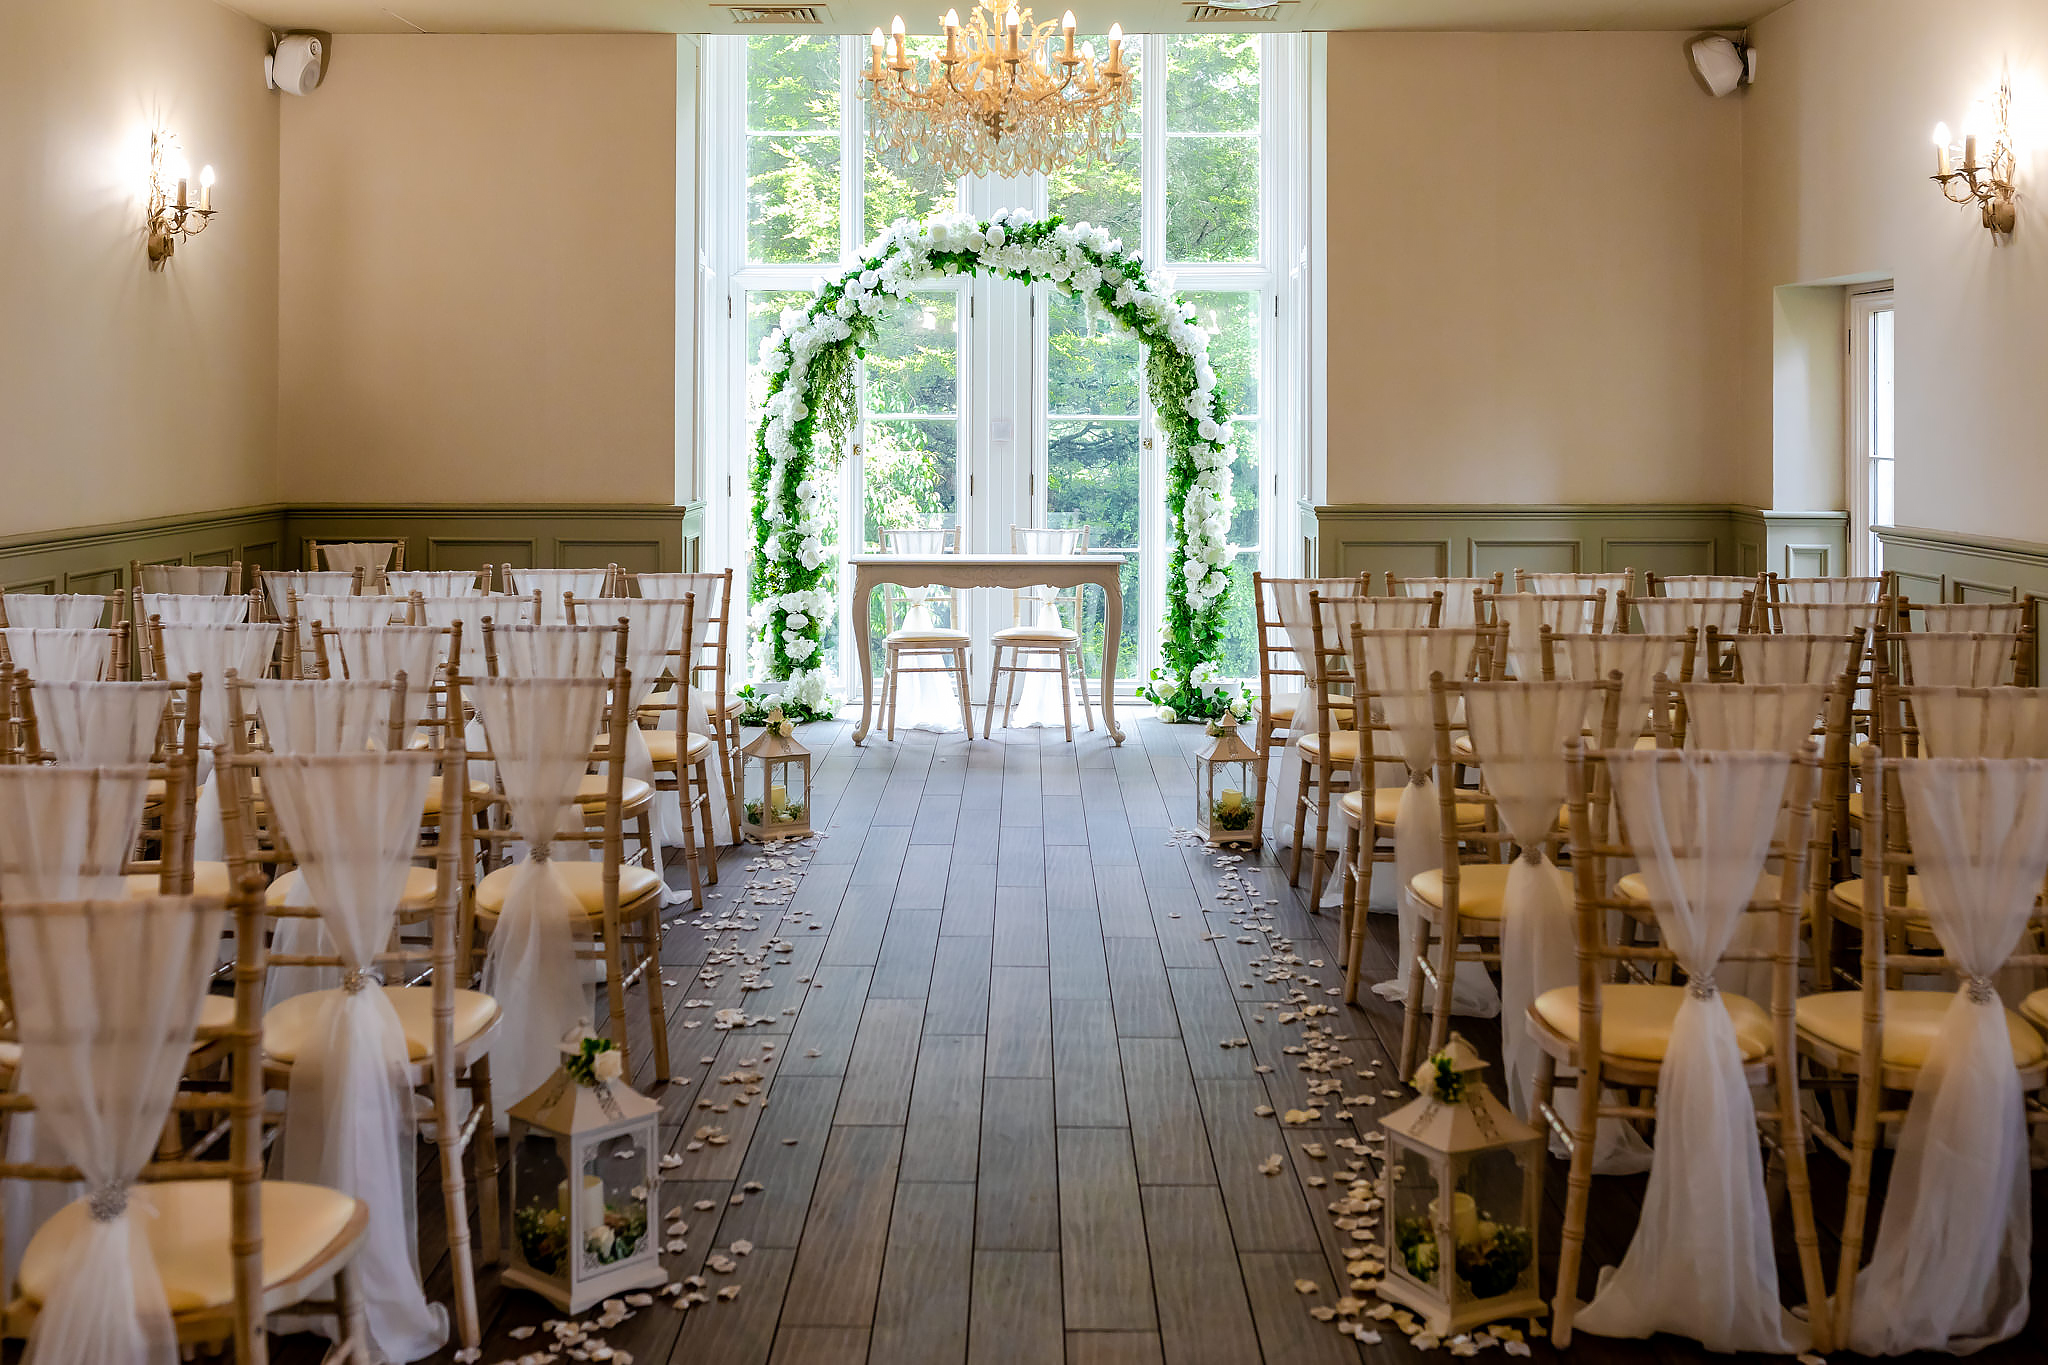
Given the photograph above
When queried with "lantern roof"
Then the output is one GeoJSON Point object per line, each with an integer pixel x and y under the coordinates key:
{"type": "Point", "coordinates": [1226, 745]}
{"type": "Point", "coordinates": [1473, 1120]}
{"type": "Point", "coordinates": [563, 1106]}
{"type": "Point", "coordinates": [772, 743]}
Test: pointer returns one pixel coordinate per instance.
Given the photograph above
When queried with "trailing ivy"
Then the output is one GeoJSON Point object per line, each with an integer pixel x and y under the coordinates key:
{"type": "Point", "coordinates": [811, 359]}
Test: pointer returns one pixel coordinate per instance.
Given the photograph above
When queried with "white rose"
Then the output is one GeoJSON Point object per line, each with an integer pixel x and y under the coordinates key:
{"type": "Point", "coordinates": [608, 1065]}
{"type": "Point", "coordinates": [601, 1238]}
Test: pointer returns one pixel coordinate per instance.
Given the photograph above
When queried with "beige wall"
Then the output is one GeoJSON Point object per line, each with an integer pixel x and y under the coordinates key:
{"type": "Point", "coordinates": [1533, 239]}
{"type": "Point", "coordinates": [125, 394]}
{"type": "Point", "coordinates": [478, 273]}
{"type": "Point", "coordinates": [1836, 156]}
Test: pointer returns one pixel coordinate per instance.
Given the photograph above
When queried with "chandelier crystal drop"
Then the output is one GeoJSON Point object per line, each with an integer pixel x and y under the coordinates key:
{"type": "Point", "coordinates": [1005, 97]}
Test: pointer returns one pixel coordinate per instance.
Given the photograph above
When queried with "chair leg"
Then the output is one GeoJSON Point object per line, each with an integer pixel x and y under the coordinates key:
{"type": "Point", "coordinates": [960, 680]}
{"type": "Point", "coordinates": [455, 1205]}
{"type": "Point", "coordinates": [892, 684]}
{"type": "Point", "coordinates": [1354, 941]}
{"type": "Point", "coordinates": [484, 1154]}
{"type": "Point", "coordinates": [691, 860]}
{"type": "Point", "coordinates": [657, 1002]}
{"type": "Point", "coordinates": [1066, 697]}
{"type": "Point", "coordinates": [1300, 817]}
{"type": "Point", "coordinates": [614, 959]}
{"type": "Point", "coordinates": [1081, 677]}
{"type": "Point", "coordinates": [1325, 793]}
{"type": "Point", "coordinates": [355, 1322]}
{"type": "Point", "coordinates": [1017, 658]}
{"type": "Point", "coordinates": [1578, 1193]}
{"type": "Point", "coordinates": [995, 673]}
{"type": "Point", "coordinates": [1446, 977]}
{"type": "Point", "coordinates": [707, 842]}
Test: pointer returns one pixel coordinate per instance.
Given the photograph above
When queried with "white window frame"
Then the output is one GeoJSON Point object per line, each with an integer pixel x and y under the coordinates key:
{"type": "Point", "coordinates": [1865, 551]}
{"type": "Point", "coordinates": [991, 333]}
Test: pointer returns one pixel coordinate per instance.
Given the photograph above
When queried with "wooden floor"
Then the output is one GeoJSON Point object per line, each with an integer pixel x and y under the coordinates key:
{"type": "Point", "coordinates": [999, 1120]}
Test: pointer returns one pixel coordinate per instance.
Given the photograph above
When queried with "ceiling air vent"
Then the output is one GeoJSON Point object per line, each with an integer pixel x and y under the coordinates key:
{"type": "Point", "coordinates": [813, 15]}
{"type": "Point", "coordinates": [1226, 12]}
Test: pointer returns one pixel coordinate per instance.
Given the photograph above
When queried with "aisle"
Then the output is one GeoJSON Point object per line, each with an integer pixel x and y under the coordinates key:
{"type": "Point", "coordinates": [997, 1120]}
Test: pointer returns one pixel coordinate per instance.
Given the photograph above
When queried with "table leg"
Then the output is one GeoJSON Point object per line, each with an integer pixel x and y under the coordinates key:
{"type": "Point", "coordinates": [1112, 631]}
{"type": "Point", "coordinates": [862, 589]}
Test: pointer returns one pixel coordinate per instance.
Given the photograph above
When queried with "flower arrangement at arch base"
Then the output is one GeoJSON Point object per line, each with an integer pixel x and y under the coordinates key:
{"type": "Point", "coordinates": [810, 361]}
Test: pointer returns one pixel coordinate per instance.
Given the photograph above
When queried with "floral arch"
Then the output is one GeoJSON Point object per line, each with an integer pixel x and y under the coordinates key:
{"type": "Point", "coordinates": [810, 361]}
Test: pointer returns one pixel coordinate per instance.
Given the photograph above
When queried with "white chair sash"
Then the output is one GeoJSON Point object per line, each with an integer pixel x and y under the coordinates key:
{"type": "Point", "coordinates": [1691, 616]}
{"type": "Point", "coordinates": [1991, 722]}
{"type": "Point", "coordinates": [1526, 613]}
{"type": "Point", "coordinates": [89, 724]}
{"type": "Point", "coordinates": [654, 626]}
{"type": "Point", "coordinates": [61, 654]}
{"type": "Point", "coordinates": [1291, 611]}
{"type": "Point", "coordinates": [1829, 590]}
{"type": "Point", "coordinates": [280, 587]}
{"type": "Point", "coordinates": [540, 733]}
{"type": "Point", "coordinates": [502, 609]}
{"type": "Point", "coordinates": [213, 651]}
{"type": "Point", "coordinates": [381, 653]}
{"type": "Point", "coordinates": [435, 582]}
{"type": "Point", "coordinates": [205, 580]}
{"type": "Point", "coordinates": [555, 651]}
{"type": "Point", "coordinates": [1700, 1264]}
{"type": "Point", "coordinates": [1778, 716]}
{"type": "Point", "coordinates": [1990, 618]}
{"type": "Point", "coordinates": [196, 607]}
{"type": "Point", "coordinates": [1460, 607]}
{"type": "Point", "coordinates": [553, 583]}
{"type": "Point", "coordinates": [1612, 582]}
{"type": "Point", "coordinates": [66, 832]}
{"type": "Point", "coordinates": [1396, 671]}
{"type": "Point", "coordinates": [367, 555]}
{"type": "Point", "coordinates": [55, 611]}
{"type": "Point", "coordinates": [1950, 1265]}
{"type": "Point", "coordinates": [1963, 659]}
{"type": "Point", "coordinates": [106, 1002]}
{"type": "Point", "coordinates": [1824, 618]}
{"type": "Point", "coordinates": [353, 822]}
{"type": "Point", "coordinates": [1706, 585]}
{"type": "Point", "coordinates": [1792, 658]}
{"type": "Point", "coordinates": [323, 715]}
{"type": "Point", "coordinates": [340, 612]}
{"type": "Point", "coordinates": [1637, 658]}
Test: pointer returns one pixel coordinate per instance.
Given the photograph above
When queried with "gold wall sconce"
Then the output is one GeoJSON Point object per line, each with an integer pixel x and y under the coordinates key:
{"type": "Point", "coordinates": [173, 214]}
{"type": "Point", "coordinates": [1987, 164]}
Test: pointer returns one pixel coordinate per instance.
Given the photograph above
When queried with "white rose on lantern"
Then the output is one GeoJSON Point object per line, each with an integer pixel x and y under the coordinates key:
{"type": "Point", "coordinates": [608, 1065]}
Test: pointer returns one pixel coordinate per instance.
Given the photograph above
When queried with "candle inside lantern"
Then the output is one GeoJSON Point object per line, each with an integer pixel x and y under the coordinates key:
{"type": "Point", "coordinates": [1231, 800]}
{"type": "Point", "coordinates": [778, 800]}
{"type": "Point", "coordinates": [593, 1201]}
{"type": "Point", "coordinates": [1464, 1218]}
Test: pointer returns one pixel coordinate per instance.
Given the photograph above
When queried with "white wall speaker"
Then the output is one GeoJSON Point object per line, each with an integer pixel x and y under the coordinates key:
{"type": "Point", "coordinates": [297, 65]}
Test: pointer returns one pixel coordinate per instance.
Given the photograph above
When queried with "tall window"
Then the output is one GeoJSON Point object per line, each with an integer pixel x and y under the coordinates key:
{"type": "Point", "coordinates": [1870, 427]}
{"type": "Point", "coordinates": [987, 404]}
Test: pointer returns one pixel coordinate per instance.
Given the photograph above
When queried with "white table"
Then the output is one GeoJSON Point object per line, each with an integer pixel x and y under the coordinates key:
{"type": "Point", "coordinates": [990, 571]}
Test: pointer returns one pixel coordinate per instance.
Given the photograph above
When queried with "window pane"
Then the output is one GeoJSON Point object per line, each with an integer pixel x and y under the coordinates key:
{"type": "Point", "coordinates": [1233, 324]}
{"type": "Point", "coordinates": [1105, 193]}
{"type": "Point", "coordinates": [793, 198]}
{"type": "Point", "coordinates": [1091, 365]}
{"type": "Point", "coordinates": [1244, 485]}
{"type": "Point", "coordinates": [914, 360]}
{"type": "Point", "coordinates": [1240, 653]}
{"type": "Point", "coordinates": [792, 84]}
{"type": "Point", "coordinates": [1092, 477]}
{"type": "Point", "coordinates": [764, 314]}
{"type": "Point", "coordinates": [1212, 198]}
{"type": "Point", "coordinates": [908, 469]}
{"type": "Point", "coordinates": [1212, 84]}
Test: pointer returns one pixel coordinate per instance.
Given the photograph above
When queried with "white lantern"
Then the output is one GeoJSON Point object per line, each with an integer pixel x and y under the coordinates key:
{"type": "Point", "coordinates": [1230, 783]}
{"type": "Point", "coordinates": [1461, 1189]}
{"type": "Point", "coordinates": [775, 783]}
{"type": "Point", "coordinates": [585, 1177]}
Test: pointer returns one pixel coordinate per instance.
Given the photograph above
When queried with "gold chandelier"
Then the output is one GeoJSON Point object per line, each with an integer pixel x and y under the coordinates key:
{"type": "Point", "coordinates": [1001, 100]}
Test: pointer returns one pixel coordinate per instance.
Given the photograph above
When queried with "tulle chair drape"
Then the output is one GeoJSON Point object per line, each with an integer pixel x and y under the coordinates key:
{"type": "Point", "coordinates": [1700, 1264]}
{"type": "Point", "coordinates": [1397, 665]}
{"type": "Point", "coordinates": [279, 587]}
{"type": "Point", "coordinates": [195, 607]}
{"type": "Point", "coordinates": [435, 582]}
{"type": "Point", "coordinates": [89, 723]}
{"type": "Point", "coordinates": [65, 832]}
{"type": "Point", "coordinates": [1792, 658]}
{"type": "Point", "coordinates": [654, 627]}
{"type": "Point", "coordinates": [209, 580]}
{"type": "Point", "coordinates": [1691, 616]}
{"type": "Point", "coordinates": [540, 732]}
{"type": "Point", "coordinates": [1639, 659]}
{"type": "Point", "coordinates": [1957, 660]}
{"type": "Point", "coordinates": [380, 653]}
{"type": "Point", "coordinates": [1776, 716]}
{"type": "Point", "coordinates": [353, 822]}
{"type": "Point", "coordinates": [1950, 1265]}
{"type": "Point", "coordinates": [213, 650]}
{"type": "Point", "coordinates": [55, 611]}
{"type": "Point", "coordinates": [1984, 722]}
{"type": "Point", "coordinates": [61, 654]}
{"type": "Point", "coordinates": [502, 609]}
{"type": "Point", "coordinates": [1525, 614]}
{"type": "Point", "coordinates": [556, 651]}
{"type": "Point", "coordinates": [106, 1002]}
{"type": "Point", "coordinates": [553, 583]}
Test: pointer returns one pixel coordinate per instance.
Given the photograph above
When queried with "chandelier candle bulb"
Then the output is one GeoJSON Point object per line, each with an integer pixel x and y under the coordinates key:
{"type": "Point", "coordinates": [896, 32]}
{"type": "Point", "coordinates": [952, 36]}
{"type": "Point", "coordinates": [1067, 27]}
{"type": "Point", "coordinates": [875, 51]}
{"type": "Point", "coordinates": [1116, 51]}
{"type": "Point", "coordinates": [1012, 22]}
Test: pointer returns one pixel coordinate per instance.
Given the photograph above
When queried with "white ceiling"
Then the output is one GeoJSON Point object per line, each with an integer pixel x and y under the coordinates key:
{"type": "Point", "coordinates": [858, 16]}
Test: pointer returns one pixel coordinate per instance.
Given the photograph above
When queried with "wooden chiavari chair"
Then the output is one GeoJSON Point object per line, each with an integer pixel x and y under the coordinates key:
{"type": "Point", "coordinates": [1615, 1033]}
{"type": "Point", "coordinates": [1038, 632]}
{"type": "Point", "coordinates": [707, 651]}
{"type": "Point", "coordinates": [1614, 583]}
{"type": "Point", "coordinates": [553, 585]}
{"type": "Point", "coordinates": [1461, 595]}
{"type": "Point", "coordinates": [371, 556]}
{"type": "Point", "coordinates": [212, 580]}
{"type": "Point", "coordinates": [1277, 603]}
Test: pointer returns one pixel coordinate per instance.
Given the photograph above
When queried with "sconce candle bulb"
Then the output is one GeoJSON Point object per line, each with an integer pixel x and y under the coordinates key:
{"type": "Point", "coordinates": [1987, 174]}
{"type": "Point", "coordinates": [172, 214]}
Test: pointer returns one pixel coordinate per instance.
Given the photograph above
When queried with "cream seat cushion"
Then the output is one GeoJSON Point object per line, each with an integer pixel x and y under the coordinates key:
{"type": "Point", "coordinates": [1343, 747]}
{"type": "Point", "coordinates": [585, 879]}
{"type": "Point", "coordinates": [208, 879]}
{"type": "Point", "coordinates": [1636, 1018]}
{"type": "Point", "coordinates": [1386, 804]}
{"type": "Point", "coordinates": [633, 793]}
{"type": "Point", "coordinates": [478, 791]}
{"type": "Point", "coordinates": [2035, 1007]}
{"type": "Point", "coordinates": [1911, 1020]}
{"type": "Point", "coordinates": [1635, 887]}
{"type": "Point", "coordinates": [419, 889]}
{"type": "Point", "coordinates": [189, 1235]}
{"type": "Point", "coordinates": [286, 1023]}
{"type": "Point", "coordinates": [1051, 635]}
{"type": "Point", "coordinates": [1283, 705]}
{"type": "Point", "coordinates": [662, 745]}
{"type": "Point", "coordinates": [934, 636]}
{"type": "Point", "coordinates": [1482, 887]}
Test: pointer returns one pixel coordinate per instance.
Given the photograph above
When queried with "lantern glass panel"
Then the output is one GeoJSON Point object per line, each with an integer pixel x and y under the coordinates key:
{"type": "Point", "coordinates": [1231, 799]}
{"type": "Point", "coordinates": [615, 1182]}
{"type": "Point", "coordinates": [540, 1222]}
{"type": "Point", "coordinates": [1496, 1251]}
{"type": "Point", "coordinates": [1414, 1184]}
